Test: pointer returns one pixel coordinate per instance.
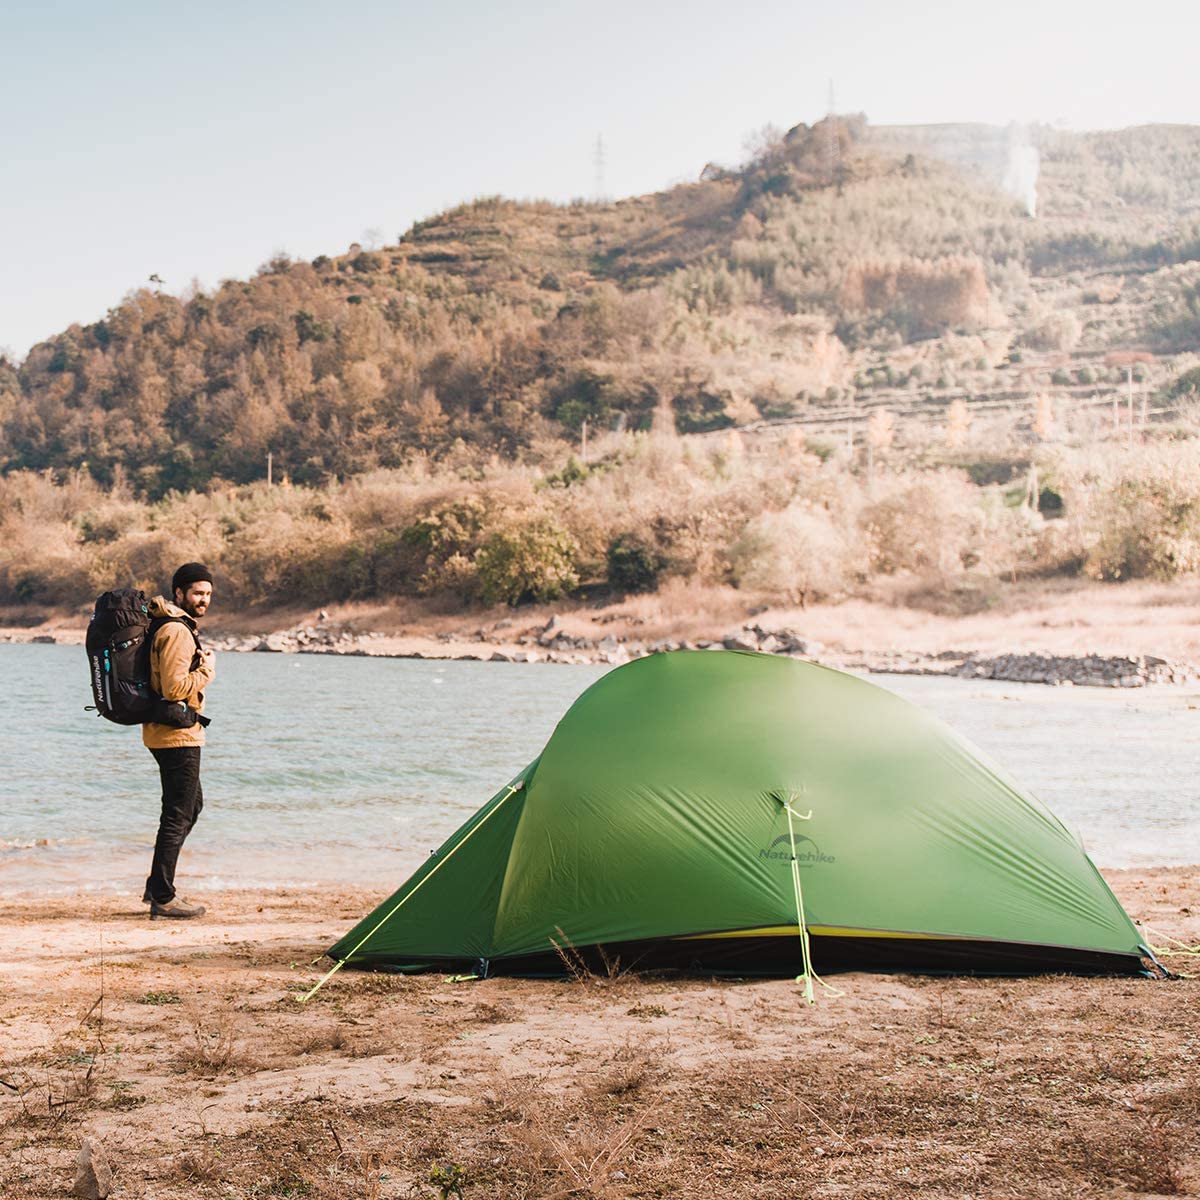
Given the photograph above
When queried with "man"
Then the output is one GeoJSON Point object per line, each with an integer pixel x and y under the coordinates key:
{"type": "Point", "coordinates": [180, 669]}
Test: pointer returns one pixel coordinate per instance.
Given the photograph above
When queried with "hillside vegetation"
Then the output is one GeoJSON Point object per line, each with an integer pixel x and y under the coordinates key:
{"type": "Point", "coordinates": [778, 372]}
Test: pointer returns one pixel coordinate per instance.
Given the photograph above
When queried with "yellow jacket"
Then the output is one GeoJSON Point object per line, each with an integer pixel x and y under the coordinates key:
{"type": "Point", "coordinates": [177, 672]}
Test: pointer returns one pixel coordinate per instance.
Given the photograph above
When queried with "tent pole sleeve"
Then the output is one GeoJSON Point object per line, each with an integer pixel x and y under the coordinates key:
{"type": "Point", "coordinates": [513, 788]}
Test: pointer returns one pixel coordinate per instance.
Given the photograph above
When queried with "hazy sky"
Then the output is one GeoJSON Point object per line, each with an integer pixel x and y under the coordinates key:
{"type": "Point", "coordinates": [195, 141]}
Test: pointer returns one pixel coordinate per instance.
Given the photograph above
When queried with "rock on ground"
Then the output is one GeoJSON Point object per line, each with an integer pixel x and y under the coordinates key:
{"type": "Point", "coordinates": [93, 1175]}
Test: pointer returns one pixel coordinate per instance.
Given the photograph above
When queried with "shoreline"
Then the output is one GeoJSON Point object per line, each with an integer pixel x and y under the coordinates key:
{"type": "Point", "coordinates": [1108, 635]}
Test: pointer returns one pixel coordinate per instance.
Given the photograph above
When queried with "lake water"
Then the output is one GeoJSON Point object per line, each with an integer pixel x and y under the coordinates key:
{"type": "Point", "coordinates": [349, 770]}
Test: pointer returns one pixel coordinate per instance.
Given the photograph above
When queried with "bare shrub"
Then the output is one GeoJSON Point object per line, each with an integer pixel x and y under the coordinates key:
{"type": "Point", "coordinates": [592, 966]}
{"type": "Point", "coordinates": [932, 295]}
{"type": "Point", "coordinates": [200, 1165]}
{"type": "Point", "coordinates": [332, 1037]}
{"type": "Point", "coordinates": [1135, 515]}
{"type": "Point", "coordinates": [800, 553]}
{"type": "Point", "coordinates": [1056, 330]}
{"type": "Point", "coordinates": [144, 558]}
{"type": "Point", "coordinates": [921, 523]}
{"type": "Point", "coordinates": [572, 1149]}
{"type": "Point", "coordinates": [214, 1047]}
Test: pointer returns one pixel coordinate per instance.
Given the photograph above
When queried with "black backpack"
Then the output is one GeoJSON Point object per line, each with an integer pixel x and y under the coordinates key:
{"type": "Point", "coordinates": [118, 643]}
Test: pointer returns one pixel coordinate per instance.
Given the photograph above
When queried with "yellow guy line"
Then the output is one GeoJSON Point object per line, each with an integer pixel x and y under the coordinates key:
{"type": "Point", "coordinates": [513, 788]}
{"type": "Point", "coordinates": [1176, 948]}
{"type": "Point", "coordinates": [805, 948]}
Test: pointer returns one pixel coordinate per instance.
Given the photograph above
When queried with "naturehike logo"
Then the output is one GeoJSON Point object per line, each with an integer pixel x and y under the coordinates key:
{"type": "Point", "coordinates": [808, 853]}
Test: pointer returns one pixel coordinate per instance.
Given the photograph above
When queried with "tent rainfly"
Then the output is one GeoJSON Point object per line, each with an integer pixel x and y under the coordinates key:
{"type": "Point", "coordinates": [729, 812]}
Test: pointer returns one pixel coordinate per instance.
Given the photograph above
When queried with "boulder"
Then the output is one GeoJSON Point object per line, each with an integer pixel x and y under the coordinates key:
{"type": "Point", "coordinates": [93, 1175]}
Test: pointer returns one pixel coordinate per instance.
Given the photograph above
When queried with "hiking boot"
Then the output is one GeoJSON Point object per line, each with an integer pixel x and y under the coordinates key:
{"type": "Point", "coordinates": [177, 908]}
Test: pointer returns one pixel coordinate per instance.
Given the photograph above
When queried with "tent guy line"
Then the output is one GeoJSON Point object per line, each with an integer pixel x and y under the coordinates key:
{"type": "Point", "coordinates": [513, 788]}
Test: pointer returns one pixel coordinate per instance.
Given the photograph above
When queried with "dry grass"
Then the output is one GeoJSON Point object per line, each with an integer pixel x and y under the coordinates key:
{"type": "Point", "coordinates": [575, 1148]}
{"type": "Point", "coordinates": [214, 1045]}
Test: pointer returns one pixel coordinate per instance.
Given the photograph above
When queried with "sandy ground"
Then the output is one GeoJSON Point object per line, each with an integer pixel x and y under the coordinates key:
{"type": "Point", "coordinates": [182, 1050]}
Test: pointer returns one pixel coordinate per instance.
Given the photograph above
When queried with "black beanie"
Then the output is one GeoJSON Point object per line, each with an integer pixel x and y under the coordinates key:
{"type": "Point", "coordinates": [188, 574]}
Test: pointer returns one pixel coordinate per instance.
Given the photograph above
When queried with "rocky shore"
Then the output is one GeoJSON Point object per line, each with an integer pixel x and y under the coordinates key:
{"type": "Point", "coordinates": [559, 640]}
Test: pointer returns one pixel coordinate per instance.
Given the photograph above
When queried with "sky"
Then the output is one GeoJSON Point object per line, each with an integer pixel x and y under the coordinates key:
{"type": "Point", "coordinates": [195, 142]}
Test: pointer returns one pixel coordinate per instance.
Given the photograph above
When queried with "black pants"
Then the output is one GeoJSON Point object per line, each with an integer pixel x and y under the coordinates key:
{"type": "Point", "coordinates": [182, 800]}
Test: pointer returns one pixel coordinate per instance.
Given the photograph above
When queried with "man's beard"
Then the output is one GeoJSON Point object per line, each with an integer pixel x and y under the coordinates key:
{"type": "Point", "coordinates": [194, 611]}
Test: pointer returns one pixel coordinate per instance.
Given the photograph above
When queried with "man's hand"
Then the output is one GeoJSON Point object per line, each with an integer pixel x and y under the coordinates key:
{"type": "Point", "coordinates": [208, 659]}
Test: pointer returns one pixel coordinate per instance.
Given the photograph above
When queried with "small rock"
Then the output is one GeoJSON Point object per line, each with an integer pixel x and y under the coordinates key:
{"type": "Point", "coordinates": [322, 615]}
{"type": "Point", "coordinates": [93, 1175]}
{"type": "Point", "coordinates": [44, 639]}
{"type": "Point", "coordinates": [740, 641]}
{"type": "Point", "coordinates": [499, 656]}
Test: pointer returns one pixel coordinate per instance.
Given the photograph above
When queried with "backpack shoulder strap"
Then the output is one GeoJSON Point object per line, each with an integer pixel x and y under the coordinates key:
{"type": "Point", "coordinates": [157, 623]}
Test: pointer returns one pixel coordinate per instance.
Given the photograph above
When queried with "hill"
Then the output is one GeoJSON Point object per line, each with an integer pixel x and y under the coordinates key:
{"type": "Point", "coordinates": [860, 354]}
{"type": "Point", "coordinates": [840, 264]}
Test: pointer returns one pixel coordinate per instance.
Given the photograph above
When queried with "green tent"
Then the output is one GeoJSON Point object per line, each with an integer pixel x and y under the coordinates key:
{"type": "Point", "coordinates": [701, 809]}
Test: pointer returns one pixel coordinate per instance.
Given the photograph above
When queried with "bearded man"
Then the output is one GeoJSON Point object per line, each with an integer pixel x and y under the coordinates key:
{"type": "Point", "coordinates": [180, 669]}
